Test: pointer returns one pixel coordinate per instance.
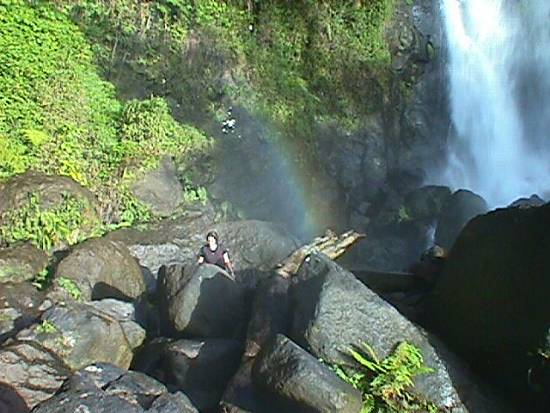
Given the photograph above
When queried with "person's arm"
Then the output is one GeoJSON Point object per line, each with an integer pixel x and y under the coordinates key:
{"type": "Point", "coordinates": [227, 263]}
{"type": "Point", "coordinates": [200, 260]}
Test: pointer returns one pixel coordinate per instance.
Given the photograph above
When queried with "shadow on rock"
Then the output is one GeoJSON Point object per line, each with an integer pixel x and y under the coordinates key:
{"type": "Point", "coordinates": [11, 401]}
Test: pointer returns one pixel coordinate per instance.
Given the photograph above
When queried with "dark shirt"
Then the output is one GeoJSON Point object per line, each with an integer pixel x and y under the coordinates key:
{"type": "Point", "coordinates": [213, 257]}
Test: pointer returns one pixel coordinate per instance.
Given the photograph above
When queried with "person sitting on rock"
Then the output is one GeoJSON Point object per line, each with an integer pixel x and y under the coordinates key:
{"type": "Point", "coordinates": [213, 252]}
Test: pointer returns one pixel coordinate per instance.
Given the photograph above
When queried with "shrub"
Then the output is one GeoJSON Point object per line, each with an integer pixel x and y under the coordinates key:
{"type": "Point", "coordinates": [45, 227]}
{"type": "Point", "coordinates": [386, 383]}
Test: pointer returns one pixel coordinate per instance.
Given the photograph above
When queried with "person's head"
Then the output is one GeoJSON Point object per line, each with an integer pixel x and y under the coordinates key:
{"type": "Point", "coordinates": [212, 239]}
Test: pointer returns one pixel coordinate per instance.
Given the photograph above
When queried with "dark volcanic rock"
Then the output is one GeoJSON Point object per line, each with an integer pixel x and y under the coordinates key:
{"type": "Point", "coordinates": [204, 303]}
{"type": "Point", "coordinates": [295, 375]}
{"type": "Point", "coordinates": [462, 206]}
{"type": "Point", "coordinates": [19, 307]}
{"type": "Point", "coordinates": [426, 202]}
{"type": "Point", "coordinates": [81, 334]}
{"type": "Point", "coordinates": [21, 263]}
{"type": "Point", "coordinates": [333, 311]}
{"type": "Point", "coordinates": [103, 269]}
{"type": "Point", "coordinates": [104, 388]}
{"type": "Point", "coordinates": [160, 189]}
{"type": "Point", "coordinates": [173, 403]}
{"type": "Point", "coordinates": [492, 302]}
{"type": "Point", "coordinates": [255, 247]}
{"type": "Point", "coordinates": [270, 313]}
{"type": "Point", "coordinates": [30, 370]}
{"type": "Point", "coordinates": [201, 369]}
{"type": "Point", "coordinates": [532, 201]}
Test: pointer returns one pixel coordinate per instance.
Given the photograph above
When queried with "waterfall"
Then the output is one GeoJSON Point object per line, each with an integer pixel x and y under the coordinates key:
{"type": "Point", "coordinates": [499, 94]}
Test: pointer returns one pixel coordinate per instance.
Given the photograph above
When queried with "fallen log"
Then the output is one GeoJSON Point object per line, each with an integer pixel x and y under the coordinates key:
{"type": "Point", "coordinates": [330, 244]}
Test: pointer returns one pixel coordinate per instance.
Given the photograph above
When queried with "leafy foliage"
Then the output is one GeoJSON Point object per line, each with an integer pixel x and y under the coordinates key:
{"type": "Point", "coordinates": [58, 116]}
{"type": "Point", "coordinates": [45, 227]}
{"type": "Point", "coordinates": [148, 132]}
{"type": "Point", "coordinates": [291, 61]}
{"type": "Point", "coordinates": [386, 383]}
{"type": "Point", "coordinates": [71, 287]}
{"type": "Point", "coordinates": [47, 327]}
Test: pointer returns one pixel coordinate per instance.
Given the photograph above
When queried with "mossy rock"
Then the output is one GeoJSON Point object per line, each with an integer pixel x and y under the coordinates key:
{"type": "Point", "coordinates": [50, 211]}
{"type": "Point", "coordinates": [21, 263]}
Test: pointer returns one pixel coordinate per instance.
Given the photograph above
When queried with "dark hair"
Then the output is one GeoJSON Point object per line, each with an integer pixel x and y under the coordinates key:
{"type": "Point", "coordinates": [212, 234]}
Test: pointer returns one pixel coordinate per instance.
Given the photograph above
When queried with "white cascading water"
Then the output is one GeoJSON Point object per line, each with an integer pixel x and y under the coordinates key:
{"type": "Point", "coordinates": [499, 74]}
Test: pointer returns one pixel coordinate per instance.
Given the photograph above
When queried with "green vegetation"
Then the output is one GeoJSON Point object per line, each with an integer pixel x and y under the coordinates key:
{"type": "Point", "coordinates": [296, 66]}
{"type": "Point", "coordinates": [386, 383]}
{"type": "Point", "coordinates": [58, 116]}
{"type": "Point", "coordinates": [45, 227]}
{"type": "Point", "coordinates": [71, 287]}
{"type": "Point", "coordinates": [47, 327]}
{"type": "Point", "coordinates": [292, 62]}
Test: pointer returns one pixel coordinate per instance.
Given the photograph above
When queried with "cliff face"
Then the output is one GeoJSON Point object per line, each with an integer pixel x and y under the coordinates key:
{"type": "Point", "coordinates": [349, 97]}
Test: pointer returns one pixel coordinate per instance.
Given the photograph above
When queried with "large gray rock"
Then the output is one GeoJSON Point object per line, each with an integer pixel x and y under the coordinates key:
{"type": "Point", "coordinates": [51, 191]}
{"type": "Point", "coordinates": [461, 206]}
{"type": "Point", "coordinates": [203, 302]}
{"type": "Point", "coordinates": [201, 369]}
{"type": "Point", "coordinates": [21, 263]}
{"type": "Point", "coordinates": [292, 373]}
{"type": "Point", "coordinates": [160, 189]}
{"type": "Point", "coordinates": [34, 373]}
{"type": "Point", "coordinates": [19, 307]}
{"type": "Point", "coordinates": [82, 334]}
{"type": "Point", "coordinates": [492, 302]}
{"type": "Point", "coordinates": [255, 247]}
{"type": "Point", "coordinates": [333, 312]}
{"type": "Point", "coordinates": [270, 313]}
{"type": "Point", "coordinates": [103, 269]}
{"type": "Point", "coordinates": [104, 388]}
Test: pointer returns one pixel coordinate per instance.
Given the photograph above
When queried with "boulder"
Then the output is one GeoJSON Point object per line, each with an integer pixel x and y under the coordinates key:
{"type": "Point", "coordinates": [203, 302]}
{"type": "Point", "coordinates": [333, 312]}
{"type": "Point", "coordinates": [270, 313]}
{"type": "Point", "coordinates": [491, 301]}
{"type": "Point", "coordinates": [106, 388]}
{"type": "Point", "coordinates": [426, 202]}
{"type": "Point", "coordinates": [242, 395]}
{"type": "Point", "coordinates": [21, 263]}
{"type": "Point", "coordinates": [255, 247]}
{"type": "Point", "coordinates": [160, 189]}
{"type": "Point", "coordinates": [19, 307]}
{"type": "Point", "coordinates": [295, 375]}
{"type": "Point", "coordinates": [173, 403]}
{"type": "Point", "coordinates": [460, 207]}
{"type": "Point", "coordinates": [31, 371]}
{"type": "Point", "coordinates": [103, 269]}
{"type": "Point", "coordinates": [533, 201]}
{"type": "Point", "coordinates": [51, 191]}
{"type": "Point", "coordinates": [81, 334]}
{"type": "Point", "coordinates": [201, 369]}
